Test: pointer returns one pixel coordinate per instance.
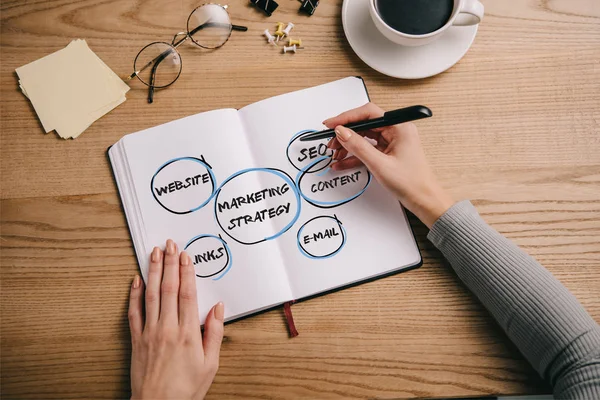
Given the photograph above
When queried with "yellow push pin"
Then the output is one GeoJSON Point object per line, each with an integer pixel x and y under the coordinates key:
{"type": "Point", "coordinates": [279, 32]}
{"type": "Point", "coordinates": [294, 41]}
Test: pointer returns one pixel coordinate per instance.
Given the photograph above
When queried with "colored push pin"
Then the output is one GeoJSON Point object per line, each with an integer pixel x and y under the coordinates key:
{"type": "Point", "coordinates": [270, 38]}
{"type": "Point", "coordinates": [291, 49]}
{"type": "Point", "coordinates": [279, 31]}
{"type": "Point", "coordinates": [288, 28]}
{"type": "Point", "coordinates": [268, 6]}
{"type": "Point", "coordinates": [292, 42]}
{"type": "Point", "coordinates": [309, 6]}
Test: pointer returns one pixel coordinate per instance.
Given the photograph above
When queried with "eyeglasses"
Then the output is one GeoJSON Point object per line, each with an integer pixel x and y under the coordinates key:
{"type": "Point", "coordinates": [158, 65]}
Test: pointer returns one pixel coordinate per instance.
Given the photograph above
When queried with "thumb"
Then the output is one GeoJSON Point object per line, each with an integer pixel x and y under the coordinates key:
{"type": "Point", "coordinates": [358, 145]}
{"type": "Point", "coordinates": [213, 333]}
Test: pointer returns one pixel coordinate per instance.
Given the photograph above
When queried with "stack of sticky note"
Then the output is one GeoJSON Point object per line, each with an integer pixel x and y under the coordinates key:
{"type": "Point", "coordinates": [71, 88]}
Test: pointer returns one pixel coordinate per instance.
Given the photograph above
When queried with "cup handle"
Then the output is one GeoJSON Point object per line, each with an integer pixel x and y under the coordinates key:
{"type": "Point", "coordinates": [471, 13]}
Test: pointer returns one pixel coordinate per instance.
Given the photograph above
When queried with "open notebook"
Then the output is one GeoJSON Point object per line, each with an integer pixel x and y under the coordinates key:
{"type": "Point", "coordinates": [262, 216]}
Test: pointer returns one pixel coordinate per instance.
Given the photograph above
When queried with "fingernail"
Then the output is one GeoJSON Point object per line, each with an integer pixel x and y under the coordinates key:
{"type": "Point", "coordinates": [170, 247]}
{"type": "Point", "coordinates": [325, 122]}
{"type": "Point", "coordinates": [342, 133]}
{"type": "Point", "coordinates": [136, 282]}
{"type": "Point", "coordinates": [184, 259]}
{"type": "Point", "coordinates": [220, 311]}
{"type": "Point", "coordinates": [155, 255]}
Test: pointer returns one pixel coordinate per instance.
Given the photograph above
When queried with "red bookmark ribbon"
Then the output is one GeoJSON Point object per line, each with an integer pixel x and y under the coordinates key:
{"type": "Point", "coordinates": [287, 309]}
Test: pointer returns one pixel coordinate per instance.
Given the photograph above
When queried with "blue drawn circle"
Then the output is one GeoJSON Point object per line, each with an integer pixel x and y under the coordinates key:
{"type": "Point", "coordinates": [227, 266]}
{"type": "Point", "coordinates": [333, 253]}
{"type": "Point", "coordinates": [273, 171]}
{"type": "Point", "coordinates": [296, 137]}
{"type": "Point", "coordinates": [212, 180]}
{"type": "Point", "coordinates": [326, 204]}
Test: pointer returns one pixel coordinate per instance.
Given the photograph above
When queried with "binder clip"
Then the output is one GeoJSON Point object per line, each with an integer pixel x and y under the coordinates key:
{"type": "Point", "coordinates": [309, 6]}
{"type": "Point", "coordinates": [267, 6]}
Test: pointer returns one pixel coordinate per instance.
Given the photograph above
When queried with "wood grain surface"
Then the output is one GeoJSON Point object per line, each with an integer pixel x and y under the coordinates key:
{"type": "Point", "coordinates": [516, 130]}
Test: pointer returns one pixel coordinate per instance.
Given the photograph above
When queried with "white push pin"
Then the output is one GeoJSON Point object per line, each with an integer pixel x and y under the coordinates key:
{"type": "Point", "coordinates": [270, 38]}
{"type": "Point", "coordinates": [288, 29]}
{"type": "Point", "coordinates": [292, 48]}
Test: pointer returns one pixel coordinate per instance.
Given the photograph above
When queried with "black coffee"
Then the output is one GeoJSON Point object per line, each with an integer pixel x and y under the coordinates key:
{"type": "Point", "coordinates": [415, 17]}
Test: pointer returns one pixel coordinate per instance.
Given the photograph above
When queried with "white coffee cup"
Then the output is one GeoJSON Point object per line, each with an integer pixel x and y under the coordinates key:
{"type": "Point", "coordinates": [464, 13]}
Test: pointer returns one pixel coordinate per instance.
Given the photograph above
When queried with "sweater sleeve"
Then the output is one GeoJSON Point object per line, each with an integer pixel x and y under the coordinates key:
{"type": "Point", "coordinates": [544, 320]}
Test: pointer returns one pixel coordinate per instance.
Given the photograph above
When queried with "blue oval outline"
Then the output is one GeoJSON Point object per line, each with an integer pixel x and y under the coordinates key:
{"type": "Point", "coordinates": [227, 250]}
{"type": "Point", "coordinates": [273, 171]}
{"type": "Point", "coordinates": [306, 253]}
{"type": "Point", "coordinates": [326, 204]}
{"type": "Point", "coordinates": [212, 179]}
{"type": "Point", "coordinates": [296, 136]}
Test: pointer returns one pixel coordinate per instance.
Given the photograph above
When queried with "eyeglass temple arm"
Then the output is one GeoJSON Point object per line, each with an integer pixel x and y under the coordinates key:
{"type": "Point", "coordinates": [158, 59]}
{"type": "Point", "coordinates": [221, 24]}
{"type": "Point", "coordinates": [151, 88]}
{"type": "Point", "coordinates": [155, 60]}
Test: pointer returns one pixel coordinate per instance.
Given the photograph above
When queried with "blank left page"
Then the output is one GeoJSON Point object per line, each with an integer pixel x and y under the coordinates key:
{"type": "Point", "coordinates": [177, 169]}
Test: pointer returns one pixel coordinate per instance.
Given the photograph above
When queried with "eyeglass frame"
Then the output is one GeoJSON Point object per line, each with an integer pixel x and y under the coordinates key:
{"type": "Point", "coordinates": [172, 47]}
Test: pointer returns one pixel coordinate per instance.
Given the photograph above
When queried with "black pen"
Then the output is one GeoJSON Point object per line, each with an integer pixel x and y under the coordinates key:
{"type": "Point", "coordinates": [389, 118]}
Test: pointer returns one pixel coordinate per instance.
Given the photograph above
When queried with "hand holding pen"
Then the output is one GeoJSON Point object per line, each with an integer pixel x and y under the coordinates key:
{"type": "Point", "coordinates": [397, 161]}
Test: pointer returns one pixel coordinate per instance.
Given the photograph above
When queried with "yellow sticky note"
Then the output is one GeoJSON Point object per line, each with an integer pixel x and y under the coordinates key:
{"type": "Point", "coordinates": [71, 88]}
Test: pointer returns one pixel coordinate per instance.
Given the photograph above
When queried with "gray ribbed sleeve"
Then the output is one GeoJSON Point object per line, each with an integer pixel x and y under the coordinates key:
{"type": "Point", "coordinates": [544, 320]}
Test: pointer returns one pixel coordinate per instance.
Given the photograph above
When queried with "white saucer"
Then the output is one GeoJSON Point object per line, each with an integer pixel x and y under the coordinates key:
{"type": "Point", "coordinates": [399, 61]}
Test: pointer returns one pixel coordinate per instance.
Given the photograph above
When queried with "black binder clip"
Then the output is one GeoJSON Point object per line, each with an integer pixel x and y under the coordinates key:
{"type": "Point", "coordinates": [268, 6]}
{"type": "Point", "coordinates": [309, 6]}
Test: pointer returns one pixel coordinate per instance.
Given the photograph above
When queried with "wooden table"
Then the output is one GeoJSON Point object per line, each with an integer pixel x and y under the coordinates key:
{"type": "Point", "coordinates": [517, 131]}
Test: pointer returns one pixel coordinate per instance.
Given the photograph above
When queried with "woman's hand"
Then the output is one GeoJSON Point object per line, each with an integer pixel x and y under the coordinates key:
{"type": "Point", "coordinates": [397, 161]}
{"type": "Point", "coordinates": [169, 359]}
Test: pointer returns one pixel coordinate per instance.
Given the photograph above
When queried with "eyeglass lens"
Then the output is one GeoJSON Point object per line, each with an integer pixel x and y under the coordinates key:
{"type": "Point", "coordinates": [163, 64]}
{"type": "Point", "coordinates": [209, 26]}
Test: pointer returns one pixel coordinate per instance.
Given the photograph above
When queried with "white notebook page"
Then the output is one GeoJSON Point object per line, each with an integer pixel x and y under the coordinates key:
{"type": "Point", "coordinates": [372, 229]}
{"type": "Point", "coordinates": [245, 277]}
